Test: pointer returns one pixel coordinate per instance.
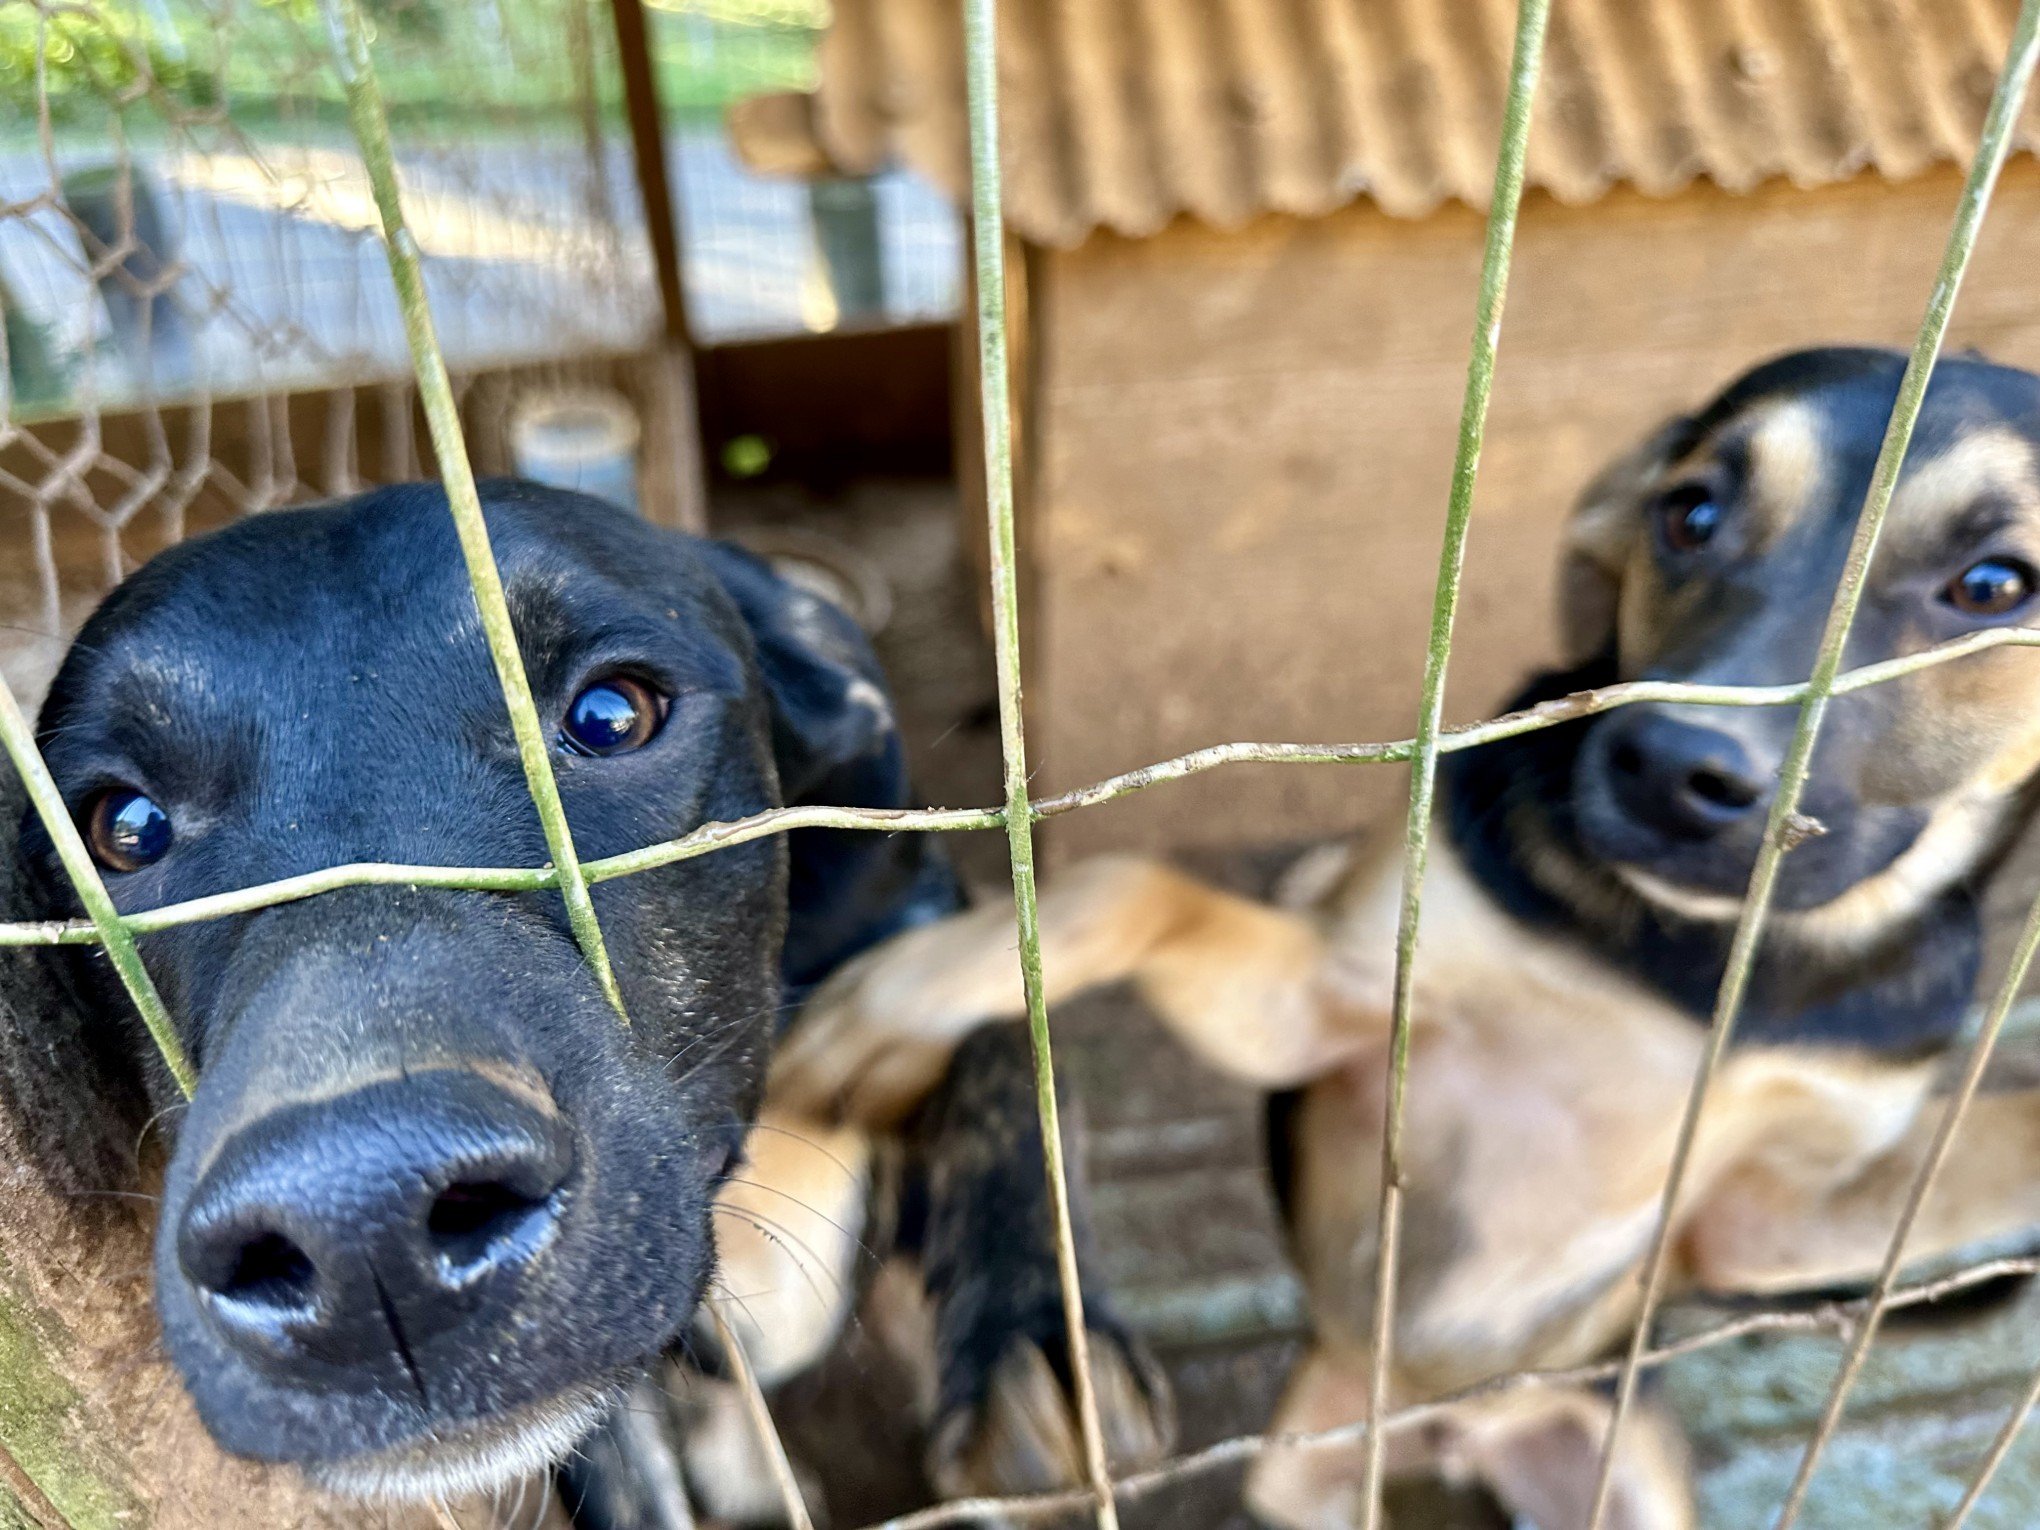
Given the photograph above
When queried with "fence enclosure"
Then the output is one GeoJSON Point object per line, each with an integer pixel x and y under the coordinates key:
{"type": "Point", "coordinates": [67, 1302]}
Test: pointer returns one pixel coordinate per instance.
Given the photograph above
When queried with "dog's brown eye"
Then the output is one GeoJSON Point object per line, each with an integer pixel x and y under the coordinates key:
{"type": "Point", "coordinates": [1689, 516]}
{"type": "Point", "coordinates": [1992, 587]}
{"type": "Point", "coordinates": [126, 831]}
{"type": "Point", "coordinates": [612, 716]}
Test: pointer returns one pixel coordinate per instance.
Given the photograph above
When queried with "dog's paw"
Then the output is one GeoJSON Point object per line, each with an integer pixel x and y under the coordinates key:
{"type": "Point", "coordinates": [1023, 1436]}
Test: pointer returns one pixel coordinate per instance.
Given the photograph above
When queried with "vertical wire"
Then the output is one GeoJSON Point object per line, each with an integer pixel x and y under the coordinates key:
{"type": "Point", "coordinates": [760, 1414]}
{"type": "Point", "coordinates": [1866, 1326]}
{"type": "Point", "coordinates": [1785, 828]}
{"type": "Point", "coordinates": [988, 236]}
{"type": "Point", "coordinates": [1987, 1470]}
{"type": "Point", "coordinates": [442, 417]}
{"type": "Point", "coordinates": [1525, 63]}
{"type": "Point", "coordinates": [18, 737]}
{"type": "Point", "coordinates": [1990, 156]}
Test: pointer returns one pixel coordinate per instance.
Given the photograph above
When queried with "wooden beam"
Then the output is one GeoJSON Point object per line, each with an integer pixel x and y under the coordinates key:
{"type": "Point", "coordinates": [648, 148]}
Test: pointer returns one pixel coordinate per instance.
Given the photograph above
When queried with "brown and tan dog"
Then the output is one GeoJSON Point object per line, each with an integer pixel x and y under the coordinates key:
{"type": "Point", "coordinates": [1576, 915]}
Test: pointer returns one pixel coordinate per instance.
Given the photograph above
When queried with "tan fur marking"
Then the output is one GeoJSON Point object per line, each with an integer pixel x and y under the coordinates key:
{"type": "Point", "coordinates": [1775, 1227]}
{"type": "Point", "coordinates": [1229, 975]}
{"type": "Point", "coordinates": [1983, 462]}
{"type": "Point", "coordinates": [1942, 853]}
{"type": "Point", "coordinates": [1537, 1449]}
{"type": "Point", "coordinates": [1788, 458]}
{"type": "Point", "coordinates": [787, 1230]}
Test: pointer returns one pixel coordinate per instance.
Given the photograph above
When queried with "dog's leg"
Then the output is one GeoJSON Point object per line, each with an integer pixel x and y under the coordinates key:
{"type": "Point", "coordinates": [1537, 1449]}
{"type": "Point", "coordinates": [1003, 1420]}
{"type": "Point", "coordinates": [789, 1230]}
{"type": "Point", "coordinates": [1769, 1228]}
{"type": "Point", "coordinates": [789, 1227]}
{"type": "Point", "coordinates": [1234, 979]}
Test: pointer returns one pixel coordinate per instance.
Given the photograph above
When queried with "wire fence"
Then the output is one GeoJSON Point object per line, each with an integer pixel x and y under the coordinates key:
{"type": "Point", "coordinates": [418, 305]}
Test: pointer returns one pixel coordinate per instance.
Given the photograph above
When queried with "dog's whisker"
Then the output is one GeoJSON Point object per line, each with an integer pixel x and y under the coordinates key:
{"type": "Point", "coordinates": [856, 1237]}
{"type": "Point", "coordinates": [848, 1173]}
{"type": "Point", "coordinates": [797, 1250]}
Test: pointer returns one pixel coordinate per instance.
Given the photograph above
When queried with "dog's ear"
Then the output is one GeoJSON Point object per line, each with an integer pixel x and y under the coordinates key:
{"type": "Point", "coordinates": [1601, 534]}
{"type": "Point", "coordinates": [833, 734]}
{"type": "Point", "coordinates": [837, 745]}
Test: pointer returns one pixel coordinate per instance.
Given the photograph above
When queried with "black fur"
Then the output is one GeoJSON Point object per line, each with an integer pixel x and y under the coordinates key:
{"type": "Point", "coordinates": [1543, 821]}
{"type": "Point", "coordinates": [1509, 807]}
{"type": "Point", "coordinates": [311, 688]}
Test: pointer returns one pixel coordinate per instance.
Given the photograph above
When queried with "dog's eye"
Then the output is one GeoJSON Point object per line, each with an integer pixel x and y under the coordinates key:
{"type": "Point", "coordinates": [1991, 587]}
{"type": "Point", "coordinates": [612, 716]}
{"type": "Point", "coordinates": [1688, 517]}
{"type": "Point", "coordinates": [126, 831]}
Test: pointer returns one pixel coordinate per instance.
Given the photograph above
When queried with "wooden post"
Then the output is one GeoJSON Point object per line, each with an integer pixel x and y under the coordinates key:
{"type": "Point", "coordinates": [648, 148]}
{"type": "Point", "coordinates": [675, 483]}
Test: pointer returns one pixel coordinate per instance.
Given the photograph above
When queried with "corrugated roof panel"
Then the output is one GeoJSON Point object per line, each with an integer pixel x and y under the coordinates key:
{"type": "Point", "coordinates": [1788, 56]}
{"type": "Point", "coordinates": [1571, 148]}
{"type": "Point", "coordinates": [1410, 175]}
{"type": "Point", "coordinates": [1879, 48]}
{"type": "Point", "coordinates": [1285, 105]}
{"type": "Point", "coordinates": [1194, 133]}
{"type": "Point", "coordinates": [1450, 42]}
{"type": "Point", "coordinates": [1122, 114]}
{"type": "Point", "coordinates": [1622, 46]}
{"type": "Point", "coordinates": [922, 36]}
{"type": "Point", "coordinates": [1108, 115]}
{"type": "Point", "coordinates": [1342, 67]}
{"type": "Point", "coordinates": [1954, 36]}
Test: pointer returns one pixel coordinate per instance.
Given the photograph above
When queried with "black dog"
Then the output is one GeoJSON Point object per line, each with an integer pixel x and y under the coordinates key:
{"type": "Point", "coordinates": [434, 1203]}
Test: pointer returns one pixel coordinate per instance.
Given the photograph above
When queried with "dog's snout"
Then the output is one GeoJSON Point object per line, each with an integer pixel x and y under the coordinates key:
{"type": "Point", "coordinates": [350, 1231]}
{"type": "Point", "coordinates": [1681, 778]}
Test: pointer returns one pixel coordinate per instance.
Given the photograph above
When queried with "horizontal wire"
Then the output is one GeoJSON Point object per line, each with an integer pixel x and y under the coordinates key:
{"type": "Point", "coordinates": [719, 836]}
{"type": "Point", "coordinates": [1826, 1317]}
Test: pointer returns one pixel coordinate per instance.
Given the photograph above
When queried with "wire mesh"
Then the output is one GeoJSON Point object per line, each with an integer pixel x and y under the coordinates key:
{"type": "Point", "coordinates": [198, 324]}
{"type": "Point", "coordinates": [767, 255]}
{"type": "Point", "coordinates": [1784, 827]}
{"type": "Point", "coordinates": [130, 65]}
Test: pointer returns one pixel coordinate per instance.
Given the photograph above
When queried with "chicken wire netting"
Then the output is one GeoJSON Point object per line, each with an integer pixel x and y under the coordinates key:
{"type": "Point", "coordinates": [116, 220]}
{"type": "Point", "coordinates": [198, 320]}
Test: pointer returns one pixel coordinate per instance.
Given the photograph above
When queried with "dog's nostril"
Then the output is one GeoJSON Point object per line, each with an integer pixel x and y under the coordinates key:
{"type": "Point", "coordinates": [270, 1272]}
{"type": "Point", "coordinates": [1711, 786]}
{"type": "Point", "coordinates": [476, 1225]}
{"type": "Point", "coordinates": [1625, 758]}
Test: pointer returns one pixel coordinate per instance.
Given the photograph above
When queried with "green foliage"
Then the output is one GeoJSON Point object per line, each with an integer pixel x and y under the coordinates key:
{"type": "Point", "coordinates": [89, 63]}
{"type": "Point", "coordinates": [446, 65]}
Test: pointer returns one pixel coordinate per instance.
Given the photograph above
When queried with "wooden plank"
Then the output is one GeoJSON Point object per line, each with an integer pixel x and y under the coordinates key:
{"type": "Point", "coordinates": [1244, 442]}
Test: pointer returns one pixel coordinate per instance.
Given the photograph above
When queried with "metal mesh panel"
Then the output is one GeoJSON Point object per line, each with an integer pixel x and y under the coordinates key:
{"type": "Point", "coordinates": [188, 248]}
{"type": "Point", "coordinates": [128, 275]}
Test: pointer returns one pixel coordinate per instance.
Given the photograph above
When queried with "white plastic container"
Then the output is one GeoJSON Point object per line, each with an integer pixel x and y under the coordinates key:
{"type": "Point", "coordinates": [578, 438]}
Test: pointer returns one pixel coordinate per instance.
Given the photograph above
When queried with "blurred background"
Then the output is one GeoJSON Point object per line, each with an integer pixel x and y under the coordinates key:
{"type": "Point", "coordinates": [705, 257]}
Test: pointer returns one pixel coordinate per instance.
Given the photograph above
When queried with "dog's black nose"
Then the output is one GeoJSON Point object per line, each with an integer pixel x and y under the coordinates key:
{"type": "Point", "coordinates": [1679, 777]}
{"type": "Point", "coordinates": [345, 1234]}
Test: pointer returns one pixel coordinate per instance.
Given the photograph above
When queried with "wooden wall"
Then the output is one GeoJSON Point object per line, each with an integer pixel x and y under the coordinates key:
{"type": "Point", "coordinates": [1244, 440]}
